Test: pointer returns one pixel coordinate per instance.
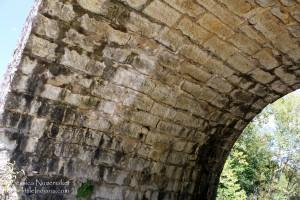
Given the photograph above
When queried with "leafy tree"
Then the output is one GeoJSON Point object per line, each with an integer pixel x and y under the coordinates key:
{"type": "Point", "coordinates": [265, 161]}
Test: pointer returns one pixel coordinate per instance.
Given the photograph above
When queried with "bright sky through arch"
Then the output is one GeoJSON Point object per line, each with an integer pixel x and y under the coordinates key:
{"type": "Point", "coordinates": [12, 19]}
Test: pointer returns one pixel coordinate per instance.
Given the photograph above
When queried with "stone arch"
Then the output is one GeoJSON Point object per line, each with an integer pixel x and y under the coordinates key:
{"type": "Point", "coordinates": [145, 98]}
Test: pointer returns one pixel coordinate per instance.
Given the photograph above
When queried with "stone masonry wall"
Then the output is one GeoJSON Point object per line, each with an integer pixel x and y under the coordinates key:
{"type": "Point", "coordinates": [145, 98]}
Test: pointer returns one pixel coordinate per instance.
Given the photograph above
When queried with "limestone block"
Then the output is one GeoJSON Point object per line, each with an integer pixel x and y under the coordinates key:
{"type": "Point", "coordinates": [171, 38]}
{"type": "Point", "coordinates": [143, 26]}
{"type": "Point", "coordinates": [55, 8]}
{"type": "Point", "coordinates": [144, 118]}
{"type": "Point", "coordinates": [262, 76]}
{"type": "Point", "coordinates": [38, 127]}
{"type": "Point", "coordinates": [136, 4]}
{"type": "Point", "coordinates": [75, 39]}
{"type": "Point", "coordinates": [220, 48]}
{"type": "Point", "coordinates": [220, 84]}
{"type": "Point", "coordinates": [21, 83]}
{"type": "Point", "coordinates": [28, 65]}
{"type": "Point", "coordinates": [244, 43]}
{"type": "Point", "coordinates": [217, 67]}
{"type": "Point", "coordinates": [252, 33]}
{"type": "Point", "coordinates": [241, 63]}
{"type": "Point", "coordinates": [296, 15]}
{"type": "Point", "coordinates": [282, 15]}
{"type": "Point", "coordinates": [259, 90]}
{"type": "Point", "coordinates": [46, 27]}
{"type": "Point", "coordinates": [51, 92]}
{"type": "Point", "coordinates": [162, 12]}
{"type": "Point", "coordinates": [239, 7]}
{"type": "Point", "coordinates": [42, 48]}
{"type": "Point", "coordinates": [73, 59]}
{"type": "Point", "coordinates": [163, 111]}
{"type": "Point", "coordinates": [294, 30]}
{"type": "Point", "coordinates": [194, 71]}
{"type": "Point", "coordinates": [31, 144]}
{"type": "Point", "coordinates": [95, 6]}
{"type": "Point", "coordinates": [192, 30]}
{"type": "Point", "coordinates": [194, 53]}
{"type": "Point", "coordinates": [266, 58]}
{"type": "Point", "coordinates": [265, 3]}
{"type": "Point", "coordinates": [214, 25]}
{"type": "Point", "coordinates": [279, 87]}
{"type": "Point", "coordinates": [188, 7]}
{"type": "Point", "coordinates": [284, 75]}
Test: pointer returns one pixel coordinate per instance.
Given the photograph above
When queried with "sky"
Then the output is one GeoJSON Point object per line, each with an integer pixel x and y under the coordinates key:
{"type": "Point", "coordinates": [12, 18]}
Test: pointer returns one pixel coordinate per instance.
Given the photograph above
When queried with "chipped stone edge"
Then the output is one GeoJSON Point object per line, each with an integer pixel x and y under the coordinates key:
{"type": "Point", "coordinates": [5, 83]}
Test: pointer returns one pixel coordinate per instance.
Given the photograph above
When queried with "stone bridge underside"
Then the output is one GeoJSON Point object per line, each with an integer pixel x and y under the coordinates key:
{"type": "Point", "coordinates": [145, 97]}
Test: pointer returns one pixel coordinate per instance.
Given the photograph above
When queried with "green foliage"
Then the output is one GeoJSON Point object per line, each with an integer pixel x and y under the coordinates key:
{"type": "Point", "coordinates": [85, 190]}
{"type": "Point", "coordinates": [264, 163]}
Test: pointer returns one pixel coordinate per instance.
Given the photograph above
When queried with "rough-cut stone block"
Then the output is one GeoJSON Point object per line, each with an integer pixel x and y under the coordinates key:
{"type": "Point", "coordinates": [284, 75]}
{"type": "Point", "coordinates": [62, 11]}
{"type": "Point", "coordinates": [266, 58]}
{"type": "Point", "coordinates": [265, 3]}
{"type": "Point", "coordinates": [46, 27]}
{"type": "Point", "coordinates": [136, 4]}
{"type": "Point", "coordinates": [194, 53]}
{"type": "Point", "coordinates": [296, 15]}
{"type": "Point", "coordinates": [262, 76]}
{"type": "Point", "coordinates": [218, 67]}
{"type": "Point", "coordinates": [294, 30]}
{"type": "Point", "coordinates": [279, 87]}
{"type": "Point", "coordinates": [214, 25]}
{"type": "Point", "coordinates": [241, 63]}
{"type": "Point", "coordinates": [220, 48]}
{"type": "Point", "coordinates": [75, 39]}
{"type": "Point", "coordinates": [244, 43]}
{"type": "Point", "coordinates": [185, 6]}
{"type": "Point", "coordinates": [220, 84]}
{"type": "Point", "coordinates": [239, 7]}
{"type": "Point", "coordinates": [222, 13]}
{"type": "Point", "coordinates": [51, 92]}
{"type": "Point", "coordinates": [192, 30]}
{"type": "Point", "coordinates": [194, 71]}
{"type": "Point", "coordinates": [162, 12]}
{"type": "Point", "coordinates": [94, 6]}
{"type": "Point", "coordinates": [139, 24]}
{"type": "Point", "coordinates": [28, 65]}
{"type": "Point", "coordinates": [252, 33]}
{"type": "Point", "coordinates": [42, 48]}
{"type": "Point", "coordinates": [171, 38]}
{"type": "Point", "coordinates": [73, 59]}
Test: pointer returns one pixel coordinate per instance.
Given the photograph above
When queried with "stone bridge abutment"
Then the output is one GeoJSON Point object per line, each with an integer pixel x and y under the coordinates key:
{"type": "Point", "coordinates": [145, 98]}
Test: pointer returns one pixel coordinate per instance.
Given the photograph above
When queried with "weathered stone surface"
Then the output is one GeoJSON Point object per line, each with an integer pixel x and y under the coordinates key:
{"type": "Point", "coordinates": [214, 25]}
{"type": "Point", "coordinates": [187, 7]}
{"type": "Point", "coordinates": [192, 30]}
{"type": "Point", "coordinates": [244, 43]}
{"type": "Point", "coordinates": [241, 63]}
{"type": "Point", "coordinates": [136, 95]}
{"type": "Point", "coordinates": [162, 12]}
{"type": "Point", "coordinates": [239, 7]}
{"type": "Point", "coordinates": [42, 48]}
{"type": "Point", "coordinates": [62, 11]}
{"type": "Point", "coordinates": [262, 76]}
{"type": "Point", "coordinates": [220, 48]}
{"type": "Point", "coordinates": [46, 27]}
{"type": "Point", "coordinates": [266, 58]}
{"type": "Point", "coordinates": [73, 59]}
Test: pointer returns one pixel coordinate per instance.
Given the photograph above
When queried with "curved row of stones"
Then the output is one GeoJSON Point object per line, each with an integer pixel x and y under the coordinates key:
{"type": "Point", "coordinates": [146, 97]}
